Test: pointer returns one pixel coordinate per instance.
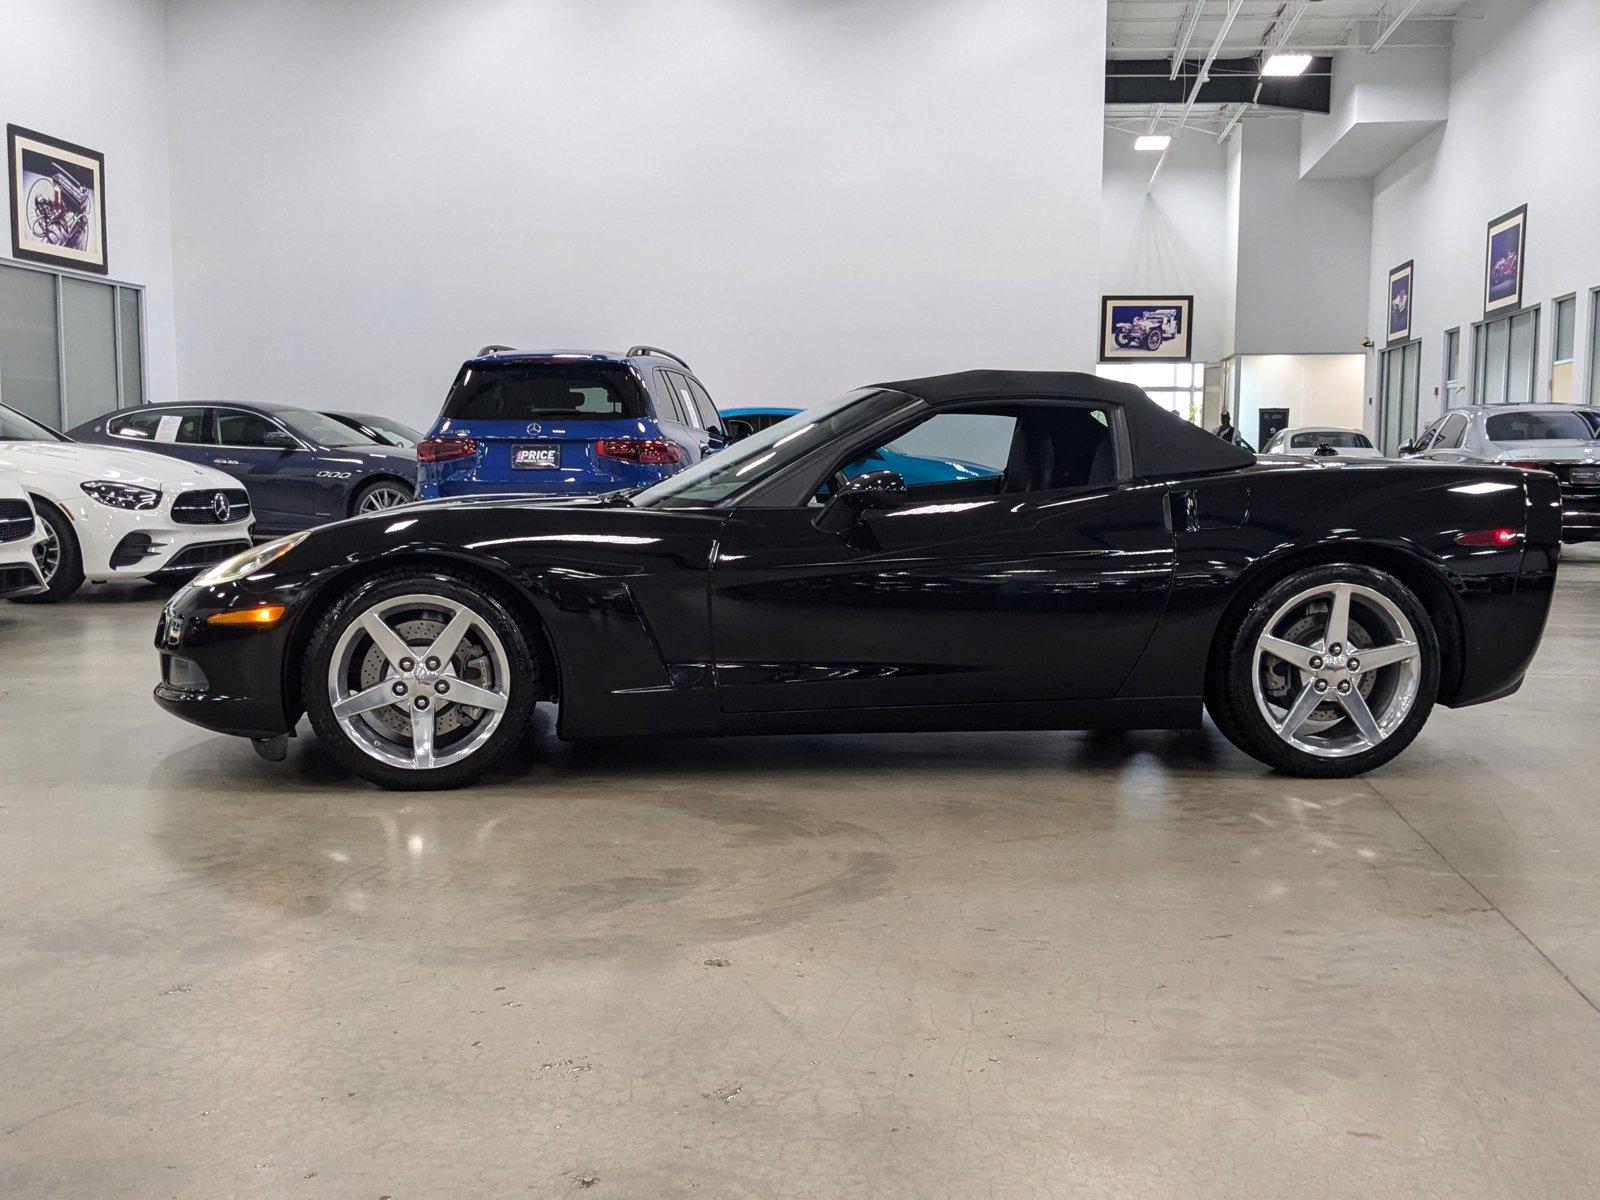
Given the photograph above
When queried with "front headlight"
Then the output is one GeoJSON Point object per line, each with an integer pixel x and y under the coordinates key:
{"type": "Point", "coordinates": [248, 562]}
{"type": "Point", "coordinates": [121, 495]}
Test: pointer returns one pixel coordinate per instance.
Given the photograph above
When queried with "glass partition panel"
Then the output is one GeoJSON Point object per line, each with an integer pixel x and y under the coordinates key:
{"type": "Point", "coordinates": [128, 301]}
{"type": "Point", "coordinates": [1523, 330]}
{"type": "Point", "coordinates": [28, 362]}
{"type": "Point", "coordinates": [89, 336]}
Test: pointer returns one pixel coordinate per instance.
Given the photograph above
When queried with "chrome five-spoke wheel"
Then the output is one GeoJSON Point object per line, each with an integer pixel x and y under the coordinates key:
{"type": "Point", "coordinates": [419, 681]}
{"type": "Point", "coordinates": [1336, 669]}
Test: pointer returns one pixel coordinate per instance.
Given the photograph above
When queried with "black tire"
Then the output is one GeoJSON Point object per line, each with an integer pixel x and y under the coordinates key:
{"type": "Point", "coordinates": [522, 681]}
{"type": "Point", "coordinates": [68, 575]}
{"type": "Point", "coordinates": [358, 503]}
{"type": "Point", "coordinates": [1230, 686]}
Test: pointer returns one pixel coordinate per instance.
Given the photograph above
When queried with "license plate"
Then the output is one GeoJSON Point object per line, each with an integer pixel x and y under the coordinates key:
{"type": "Point", "coordinates": [1586, 474]}
{"type": "Point", "coordinates": [536, 458]}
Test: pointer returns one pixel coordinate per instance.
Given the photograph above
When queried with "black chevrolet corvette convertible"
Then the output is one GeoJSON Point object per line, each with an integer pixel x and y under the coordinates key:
{"type": "Point", "coordinates": [1098, 563]}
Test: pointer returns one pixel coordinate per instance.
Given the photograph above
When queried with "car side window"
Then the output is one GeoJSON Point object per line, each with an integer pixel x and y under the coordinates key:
{"type": "Point", "coordinates": [235, 427]}
{"type": "Point", "coordinates": [1425, 438]}
{"type": "Point", "coordinates": [1021, 448]}
{"type": "Point", "coordinates": [684, 399]}
{"type": "Point", "coordinates": [710, 418]}
{"type": "Point", "coordinates": [669, 406]}
{"type": "Point", "coordinates": [1451, 432]}
{"type": "Point", "coordinates": [182, 426]}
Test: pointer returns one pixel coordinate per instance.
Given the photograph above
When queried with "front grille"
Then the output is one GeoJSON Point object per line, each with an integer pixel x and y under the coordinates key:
{"type": "Point", "coordinates": [202, 508]}
{"type": "Point", "coordinates": [192, 558]}
{"type": "Point", "coordinates": [16, 520]}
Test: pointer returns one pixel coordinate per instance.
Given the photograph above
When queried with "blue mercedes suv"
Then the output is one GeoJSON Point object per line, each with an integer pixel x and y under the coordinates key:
{"type": "Point", "coordinates": [566, 423]}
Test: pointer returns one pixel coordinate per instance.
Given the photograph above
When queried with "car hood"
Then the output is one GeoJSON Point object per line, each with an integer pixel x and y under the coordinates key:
{"type": "Point", "coordinates": [67, 464]}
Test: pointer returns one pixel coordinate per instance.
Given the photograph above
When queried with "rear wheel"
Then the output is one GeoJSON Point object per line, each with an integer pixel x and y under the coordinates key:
{"type": "Point", "coordinates": [58, 557]}
{"type": "Point", "coordinates": [419, 680]}
{"type": "Point", "coordinates": [382, 494]}
{"type": "Point", "coordinates": [1332, 672]}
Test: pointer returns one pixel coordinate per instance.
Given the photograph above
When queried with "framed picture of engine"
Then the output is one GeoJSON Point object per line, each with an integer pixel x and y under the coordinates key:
{"type": "Point", "coordinates": [1145, 328]}
{"type": "Point", "coordinates": [1502, 270]}
{"type": "Point", "coordinates": [58, 210]}
{"type": "Point", "coordinates": [1399, 325]}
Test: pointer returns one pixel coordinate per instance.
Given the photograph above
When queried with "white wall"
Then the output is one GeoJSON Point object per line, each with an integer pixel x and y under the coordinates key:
{"type": "Point", "coordinates": [1523, 101]}
{"type": "Point", "coordinates": [1173, 240]}
{"type": "Point", "coordinates": [94, 72]}
{"type": "Point", "coordinates": [1303, 249]}
{"type": "Point", "coordinates": [799, 197]}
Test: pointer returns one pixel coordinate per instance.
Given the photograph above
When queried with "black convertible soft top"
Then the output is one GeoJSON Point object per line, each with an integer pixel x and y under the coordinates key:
{"type": "Point", "coordinates": [1163, 443]}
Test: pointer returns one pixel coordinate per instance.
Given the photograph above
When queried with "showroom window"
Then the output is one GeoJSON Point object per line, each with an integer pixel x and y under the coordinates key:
{"type": "Point", "coordinates": [70, 347]}
{"type": "Point", "coordinates": [1504, 352]}
{"type": "Point", "coordinates": [1178, 386]}
{"type": "Point", "coordinates": [1454, 388]}
{"type": "Point", "coordinates": [1399, 380]}
{"type": "Point", "coordinates": [1561, 350]}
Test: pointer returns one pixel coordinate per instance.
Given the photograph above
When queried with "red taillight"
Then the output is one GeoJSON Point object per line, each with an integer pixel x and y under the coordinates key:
{"type": "Point", "coordinates": [656, 451]}
{"type": "Point", "coordinates": [445, 449]}
{"type": "Point", "coordinates": [1489, 537]}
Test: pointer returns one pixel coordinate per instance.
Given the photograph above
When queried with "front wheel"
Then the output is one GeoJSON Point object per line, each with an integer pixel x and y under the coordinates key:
{"type": "Point", "coordinates": [1332, 672]}
{"type": "Point", "coordinates": [419, 679]}
{"type": "Point", "coordinates": [58, 557]}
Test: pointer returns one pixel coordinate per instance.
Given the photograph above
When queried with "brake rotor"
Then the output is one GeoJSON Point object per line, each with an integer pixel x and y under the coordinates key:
{"type": "Point", "coordinates": [472, 666]}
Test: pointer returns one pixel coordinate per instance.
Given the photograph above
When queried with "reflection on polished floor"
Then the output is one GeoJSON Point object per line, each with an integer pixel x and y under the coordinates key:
{"type": "Point", "coordinates": [1013, 966]}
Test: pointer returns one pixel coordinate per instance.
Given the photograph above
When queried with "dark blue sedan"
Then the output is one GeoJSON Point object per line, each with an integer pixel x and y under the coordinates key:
{"type": "Point", "coordinates": [300, 467]}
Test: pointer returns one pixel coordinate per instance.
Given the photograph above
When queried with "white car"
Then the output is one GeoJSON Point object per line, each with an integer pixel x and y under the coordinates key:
{"type": "Point", "coordinates": [1315, 441]}
{"type": "Point", "coordinates": [20, 533]}
{"type": "Point", "coordinates": [111, 514]}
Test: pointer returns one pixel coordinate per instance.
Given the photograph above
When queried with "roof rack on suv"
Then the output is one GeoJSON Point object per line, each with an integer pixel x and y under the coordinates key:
{"type": "Point", "coordinates": [659, 353]}
{"type": "Point", "coordinates": [493, 349]}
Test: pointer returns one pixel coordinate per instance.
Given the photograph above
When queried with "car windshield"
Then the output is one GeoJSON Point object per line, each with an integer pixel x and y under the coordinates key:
{"type": "Point", "coordinates": [1537, 427]}
{"type": "Point", "coordinates": [722, 475]}
{"type": "Point", "coordinates": [1338, 439]}
{"type": "Point", "coordinates": [320, 430]}
{"type": "Point", "coordinates": [14, 427]}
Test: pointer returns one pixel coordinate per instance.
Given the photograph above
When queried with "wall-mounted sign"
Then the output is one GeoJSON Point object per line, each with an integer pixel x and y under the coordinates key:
{"type": "Point", "coordinates": [1400, 295]}
{"type": "Point", "coordinates": [1502, 272]}
{"type": "Point", "coordinates": [1145, 328]}
{"type": "Point", "coordinates": [58, 210]}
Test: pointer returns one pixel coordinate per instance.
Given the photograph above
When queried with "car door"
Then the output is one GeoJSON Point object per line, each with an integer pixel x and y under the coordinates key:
{"type": "Point", "coordinates": [281, 479]}
{"type": "Point", "coordinates": [710, 418]}
{"type": "Point", "coordinates": [1018, 586]}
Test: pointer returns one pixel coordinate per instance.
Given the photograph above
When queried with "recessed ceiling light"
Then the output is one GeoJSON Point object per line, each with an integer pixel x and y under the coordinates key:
{"type": "Point", "coordinates": [1152, 141]}
{"type": "Point", "coordinates": [1286, 64]}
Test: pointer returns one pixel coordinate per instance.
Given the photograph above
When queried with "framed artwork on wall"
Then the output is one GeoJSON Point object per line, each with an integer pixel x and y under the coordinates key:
{"type": "Point", "coordinates": [1503, 261]}
{"type": "Point", "coordinates": [1399, 326]}
{"type": "Point", "coordinates": [58, 210]}
{"type": "Point", "coordinates": [1145, 328]}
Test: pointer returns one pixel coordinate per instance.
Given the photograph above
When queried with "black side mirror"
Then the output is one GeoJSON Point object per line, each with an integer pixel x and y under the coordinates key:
{"type": "Point", "coordinates": [1407, 447]}
{"type": "Point", "coordinates": [279, 440]}
{"type": "Point", "coordinates": [865, 493]}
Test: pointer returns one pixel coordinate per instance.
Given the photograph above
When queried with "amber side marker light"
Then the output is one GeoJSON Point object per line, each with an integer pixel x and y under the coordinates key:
{"type": "Point", "coordinates": [261, 614]}
{"type": "Point", "coordinates": [1489, 537]}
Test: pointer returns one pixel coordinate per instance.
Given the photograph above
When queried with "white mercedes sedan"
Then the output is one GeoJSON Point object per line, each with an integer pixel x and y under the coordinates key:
{"type": "Point", "coordinates": [109, 514]}
{"type": "Point", "coordinates": [1309, 441]}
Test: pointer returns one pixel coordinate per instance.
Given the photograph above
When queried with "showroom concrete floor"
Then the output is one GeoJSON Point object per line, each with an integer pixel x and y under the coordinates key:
{"type": "Point", "coordinates": [1019, 966]}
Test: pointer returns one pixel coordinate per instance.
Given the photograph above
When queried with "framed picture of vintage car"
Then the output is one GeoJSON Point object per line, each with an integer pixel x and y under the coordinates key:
{"type": "Point", "coordinates": [58, 201]}
{"type": "Point", "coordinates": [1145, 328]}
{"type": "Point", "coordinates": [1399, 324]}
{"type": "Point", "coordinates": [1503, 260]}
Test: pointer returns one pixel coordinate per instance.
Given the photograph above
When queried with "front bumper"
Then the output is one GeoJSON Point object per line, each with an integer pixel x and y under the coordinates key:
{"type": "Point", "coordinates": [225, 679]}
{"type": "Point", "coordinates": [137, 544]}
{"type": "Point", "coordinates": [19, 572]}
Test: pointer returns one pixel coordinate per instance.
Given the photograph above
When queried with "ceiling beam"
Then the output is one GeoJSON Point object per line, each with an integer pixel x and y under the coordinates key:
{"type": "Point", "coordinates": [1185, 35]}
{"type": "Point", "coordinates": [1388, 30]}
{"type": "Point", "coordinates": [1200, 81]}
